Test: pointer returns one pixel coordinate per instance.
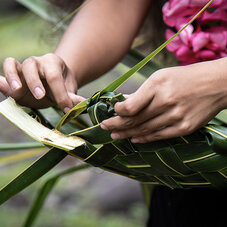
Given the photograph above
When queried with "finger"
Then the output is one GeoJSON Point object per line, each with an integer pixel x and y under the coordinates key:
{"type": "Point", "coordinates": [120, 123]}
{"type": "Point", "coordinates": [11, 67]}
{"type": "Point", "coordinates": [4, 86]}
{"type": "Point", "coordinates": [55, 80]}
{"type": "Point", "coordinates": [147, 127]}
{"type": "Point", "coordinates": [165, 133]}
{"type": "Point", "coordinates": [75, 98]}
{"type": "Point", "coordinates": [31, 75]}
{"type": "Point", "coordinates": [135, 102]}
{"type": "Point", "coordinates": [126, 96]}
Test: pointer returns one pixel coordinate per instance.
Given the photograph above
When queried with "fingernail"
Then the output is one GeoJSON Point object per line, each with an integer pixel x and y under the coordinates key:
{"type": "Point", "coordinates": [67, 109]}
{"type": "Point", "coordinates": [104, 127]}
{"type": "Point", "coordinates": [38, 93]}
{"type": "Point", "coordinates": [135, 140]}
{"type": "Point", "coordinates": [15, 85]}
{"type": "Point", "coordinates": [115, 136]}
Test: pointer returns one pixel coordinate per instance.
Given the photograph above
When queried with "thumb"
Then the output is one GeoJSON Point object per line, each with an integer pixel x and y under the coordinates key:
{"type": "Point", "coordinates": [135, 102]}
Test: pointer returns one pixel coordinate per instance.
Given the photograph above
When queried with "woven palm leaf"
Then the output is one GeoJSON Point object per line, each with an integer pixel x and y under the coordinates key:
{"type": "Point", "coordinates": [196, 160]}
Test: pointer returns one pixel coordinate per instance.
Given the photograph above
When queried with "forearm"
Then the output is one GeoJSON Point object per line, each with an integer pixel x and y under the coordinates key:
{"type": "Point", "coordinates": [100, 35]}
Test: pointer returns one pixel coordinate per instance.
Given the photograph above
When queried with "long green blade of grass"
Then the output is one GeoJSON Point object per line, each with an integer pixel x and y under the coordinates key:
{"type": "Point", "coordinates": [54, 156]}
{"type": "Point", "coordinates": [41, 8]}
{"type": "Point", "coordinates": [44, 192]}
{"type": "Point", "coordinates": [119, 81]}
{"type": "Point", "coordinates": [34, 129]}
{"type": "Point", "coordinates": [21, 156]}
{"type": "Point", "coordinates": [32, 173]}
{"type": "Point", "coordinates": [20, 146]}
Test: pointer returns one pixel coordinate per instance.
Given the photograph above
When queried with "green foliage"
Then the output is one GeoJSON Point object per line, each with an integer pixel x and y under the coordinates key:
{"type": "Point", "coordinates": [120, 156]}
{"type": "Point", "coordinates": [74, 217]}
{"type": "Point", "coordinates": [32, 173]}
{"type": "Point", "coordinates": [28, 40]}
{"type": "Point", "coordinates": [42, 8]}
{"type": "Point", "coordinates": [45, 190]}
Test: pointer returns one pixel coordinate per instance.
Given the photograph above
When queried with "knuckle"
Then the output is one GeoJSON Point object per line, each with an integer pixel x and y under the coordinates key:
{"type": "Point", "coordinates": [143, 129]}
{"type": "Point", "coordinates": [159, 77]}
{"type": "Point", "coordinates": [130, 108]}
{"type": "Point", "coordinates": [186, 127]}
{"type": "Point", "coordinates": [145, 139]}
{"type": "Point", "coordinates": [52, 76]}
{"type": "Point", "coordinates": [125, 134]}
{"type": "Point", "coordinates": [49, 55]}
{"type": "Point", "coordinates": [53, 57]}
{"type": "Point", "coordinates": [169, 98]}
{"type": "Point", "coordinates": [141, 139]}
{"type": "Point", "coordinates": [177, 113]}
{"type": "Point", "coordinates": [30, 60]}
{"type": "Point", "coordinates": [62, 101]}
{"type": "Point", "coordinates": [9, 59]}
{"type": "Point", "coordinates": [128, 121]}
{"type": "Point", "coordinates": [11, 73]}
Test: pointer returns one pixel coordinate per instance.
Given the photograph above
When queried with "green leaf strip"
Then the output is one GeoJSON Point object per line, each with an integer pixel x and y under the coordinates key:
{"type": "Point", "coordinates": [44, 192]}
{"type": "Point", "coordinates": [21, 156]}
{"type": "Point", "coordinates": [41, 8]}
{"type": "Point", "coordinates": [32, 173]}
{"type": "Point", "coordinates": [34, 129]}
{"type": "Point", "coordinates": [222, 116]}
{"type": "Point", "coordinates": [215, 130]}
{"type": "Point", "coordinates": [68, 17]}
{"type": "Point", "coordinates": [94, 134]}
{"type": "Point", "coordinates": [119, 81]}
{"type": "Point", "coordinates": [73, 113]}
{"type": "Point", "coordinates": [20, 146]}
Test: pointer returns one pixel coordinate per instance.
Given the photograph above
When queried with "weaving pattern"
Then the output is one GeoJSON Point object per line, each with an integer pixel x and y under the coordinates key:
{"type": "Point", "coordinates": [196, 160]}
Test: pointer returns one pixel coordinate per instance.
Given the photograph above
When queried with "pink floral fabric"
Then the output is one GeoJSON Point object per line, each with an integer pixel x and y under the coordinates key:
{"type": "Point", "coordinates": [206, 38]}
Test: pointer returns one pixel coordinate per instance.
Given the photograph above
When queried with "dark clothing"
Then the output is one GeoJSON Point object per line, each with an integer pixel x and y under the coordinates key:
{"type": "Point", "coordinates": [184, 208]}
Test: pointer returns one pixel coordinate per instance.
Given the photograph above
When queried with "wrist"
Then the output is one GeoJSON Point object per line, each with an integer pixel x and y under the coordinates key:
{"type": "Point", "coordinates": [75, 66]}
{"type": "Point", "coordinates": [221, 68]}
{"type": "Point", "coordinates": [78, 75]}
{"type": "Point", "coordinates": [224, 66]}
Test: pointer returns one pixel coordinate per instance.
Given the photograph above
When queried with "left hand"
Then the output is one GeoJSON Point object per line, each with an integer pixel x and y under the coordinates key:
{"type": "Point", "coordinates": [172, 102]}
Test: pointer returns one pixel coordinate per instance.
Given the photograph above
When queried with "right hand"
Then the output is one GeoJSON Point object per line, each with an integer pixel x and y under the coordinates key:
{"type": "Point", "coordinates": [40, 82]}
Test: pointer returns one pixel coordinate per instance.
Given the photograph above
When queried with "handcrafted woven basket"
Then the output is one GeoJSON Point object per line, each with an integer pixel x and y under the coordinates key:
{"type": "Point", "coordinates": [196, 160]}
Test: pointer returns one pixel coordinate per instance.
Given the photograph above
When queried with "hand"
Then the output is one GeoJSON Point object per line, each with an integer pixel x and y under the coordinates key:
{"type": "Point", "coordinates": [172, 102]}
{"type": "Point", "coordinates": [40, 82]}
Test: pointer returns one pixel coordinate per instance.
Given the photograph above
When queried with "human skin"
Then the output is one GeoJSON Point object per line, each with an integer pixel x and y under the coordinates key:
{"type": "Point", "coordinates": [172, 102]}
{"type": "Point", "coordinates": [97, 38]}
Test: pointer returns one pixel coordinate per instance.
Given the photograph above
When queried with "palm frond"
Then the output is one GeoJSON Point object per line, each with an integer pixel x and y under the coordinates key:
{"type": "Point", "coordinates": [45, 190]}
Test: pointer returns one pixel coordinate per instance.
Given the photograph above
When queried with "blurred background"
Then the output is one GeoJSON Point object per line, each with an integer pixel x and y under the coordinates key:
{"type": "Point", "coordinates": [90, 197]}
